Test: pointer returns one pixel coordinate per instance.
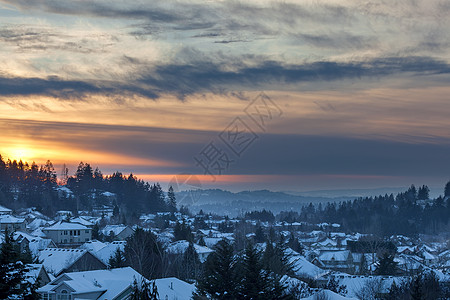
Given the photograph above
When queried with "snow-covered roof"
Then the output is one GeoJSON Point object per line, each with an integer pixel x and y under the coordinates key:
{"type": "Point", "coordinates": [334, 255]}
{"type": "Point", "coordinates": [109, 282]}
{"type": "Point", "coordinates": [33, 272]}
{"type": "Point", "coordinates": [57, 259]}
{"type": "Point", "coordinates": [62, 225]}
{"type": "Point", "coordinates": [329, 295]}
{"type": "Point", "coordinates": [116, 229]}
{"type": "Point", "coordinates": [64, 189]}
{"type": "Point", "coordinates": [5, 210]}
{"type": "Point", "coordinates": [108, 194]}
{"type": "Point", "coordinates": [180, 247]}
{"type": "Point", "coordinates": [106, 252]}
{"type": "Point", "coordinates": [302, 266]}
{"type": "Point", "coordinates": [82, 221]}
{"type": "Point", "coordinates": [8, 219]}
{"type": "Point", "coordinates": [173, 288]}
{"type": "Point", "coordinates": [36, 223]}
{"type": "Point", "coordinates": [93, 245]}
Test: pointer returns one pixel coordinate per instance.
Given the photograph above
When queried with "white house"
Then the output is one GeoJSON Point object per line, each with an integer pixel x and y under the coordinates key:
{"type": "Point", "coordinates": [98, 284]}
{"type": "Point", "coordinates": [12, 223]}
{"type": "Point", "coordinates": [68, 233]}
{"type": "Point", "coordinates": [113, 284]}
{"type": "Point", "coordinates": [179, 247]}
{"type": "Point", "coordinates": [5, 211]}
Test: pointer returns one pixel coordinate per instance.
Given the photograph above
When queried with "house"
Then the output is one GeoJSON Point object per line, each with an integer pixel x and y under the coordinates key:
{"type": "Point", "coordinates": [179, 247]}
{"type": "Point", "coordinates": [82, 221]}
{"type": "Point", "coordinates": [335, 260]}
{"type": "Point", "coordinates": [174, 289]}
{"type": "Point", "coordinates": [37, 274]}
{"type": "Point", "coordinates": [105, 253]}
{"type": "Point", "coordinates": [58, 260]}
{"type": "Point", "coordinates": [96, 284]}
{"type": "Point", "coordinates": [34, 243]}
{"type": "Point", "coordinates": [12, 223]}
{"type": "Point", "coordinates": [120, 232]}
{"type": "Point", "coordinates": [5, 211]}
{"type": "Point", "coordinates": [67, 233]}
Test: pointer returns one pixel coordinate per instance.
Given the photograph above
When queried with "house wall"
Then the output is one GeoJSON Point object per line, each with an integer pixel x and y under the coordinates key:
{"type": "Point", "coordinates": [87, 262]}
{"type": "Point", "coordinates": [69, 236]}
{"type": "Point", "coordinates": [93, 295]}
{"type": "Point", "coordinates": [13, 226]}
{"type": "Point", "coordinates": [127, 232]}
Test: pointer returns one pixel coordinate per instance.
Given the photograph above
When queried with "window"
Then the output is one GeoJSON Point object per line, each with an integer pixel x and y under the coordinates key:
{"type": "Point", "coordinates": [45, 297]}
{"type": "Point", "coordinates": [71, 233]}
{"type": "Point", "coordinates": [63, 295]}
{"type": "Point", "coordinates": [65, 232]}
{"type": "Point", "coordinates": [79, 232]}
{"type": "Point", "coordinates": [86, 231]}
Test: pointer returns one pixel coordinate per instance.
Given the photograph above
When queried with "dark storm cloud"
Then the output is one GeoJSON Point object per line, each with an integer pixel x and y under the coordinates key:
{"type": "Point", "coordinates": [66, 89]}
{"type": "Point", "coordinates": [207, 76]}
{"type": "Point", "coordinates": [281, 154]}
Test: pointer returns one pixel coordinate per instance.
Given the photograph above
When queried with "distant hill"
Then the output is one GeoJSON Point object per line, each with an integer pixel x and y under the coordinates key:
{"type": "Point", "coordinates": [226, 202]}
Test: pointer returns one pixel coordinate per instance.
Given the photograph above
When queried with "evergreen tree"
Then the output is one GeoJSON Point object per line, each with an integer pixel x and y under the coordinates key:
{"type": "Point", "coordinates": [143, 291]}
{"type": "Point", "coordinates": [447, 190]}
{"type": "Point", "coordinates": [12, 271]}
{"type": "Point", "coordinates": [171, 200]}
{"type": "Point", "coordinates": [386, 265]}
{"type": "Point", "coordinates": [258, 283]}
{"type": "Point", "coordinates": [259, 234]}
{"type": "Point", "coordinates": [117, 259]}
{"type": "Point", "coordinates": [424, 193]}
{"type": "Point", "coordinates": [219, 278]}
{"type": "Point", "coordinates": [96, 232]}
{"type": "Point", "coordinates": [295, 245]}
{"type": "Point", "coordinates": [254, 284]}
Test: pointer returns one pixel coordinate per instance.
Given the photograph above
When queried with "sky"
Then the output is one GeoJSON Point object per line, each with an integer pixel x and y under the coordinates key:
{"type": "Point", "coordinates": [281, 95]}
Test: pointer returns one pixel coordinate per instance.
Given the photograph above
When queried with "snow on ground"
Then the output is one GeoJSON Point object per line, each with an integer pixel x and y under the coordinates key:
{"type": "Point", "coordinates": [329, 296]}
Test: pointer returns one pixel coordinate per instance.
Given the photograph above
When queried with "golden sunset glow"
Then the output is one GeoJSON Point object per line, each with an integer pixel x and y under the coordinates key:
{"type": "Point", "coordinates": [361, 92]}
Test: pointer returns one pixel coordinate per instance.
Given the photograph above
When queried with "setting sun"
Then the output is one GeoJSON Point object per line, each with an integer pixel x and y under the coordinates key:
{"type": "Point", "coordinates": [19, 153]}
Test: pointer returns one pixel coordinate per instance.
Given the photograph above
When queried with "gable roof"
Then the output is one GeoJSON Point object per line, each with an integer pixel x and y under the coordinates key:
{"type": "Point", "coordinates": [5, 210]}
{"type": "Point", "coordinates": [62, 225]}
{"type": "Point", "coordinates": [174, 288]}
{"type": "Point", "coordinates": [8, 219]}
{"type": "Point", "coordinates": [334, 255]}
{"type": "Point", "coordinates": [109, 282]}
{"type": "Point", "coordinates": [55, 260]}
{"type": "Point", "coordinates": [105, 253]}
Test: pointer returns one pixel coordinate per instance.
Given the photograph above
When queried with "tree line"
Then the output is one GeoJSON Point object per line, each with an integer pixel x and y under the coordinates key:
{"type": "Point", "coordinates": [408, 213]}
{"type": "Point", "coordinates": [29, 185]}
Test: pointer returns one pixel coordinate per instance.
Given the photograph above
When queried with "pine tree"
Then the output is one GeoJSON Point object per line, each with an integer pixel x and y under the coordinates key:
{"type": "Point", "coordinates": [386, 265]}
{"type": "Point", "coordinates": [254, 284]}
{"type": "Point", "coordinates": [219, 278]}
{"type": "Point", "coordinates": [12, 271]}
{"type": "Point", "coordinates": [424, 193]}
{"type": "Point", "coordinates": [172, 202]}
{"type": "Point", "coordinates": [143, 291]}
{"type": "Point", "coordinates": [96, 232]}
{"type": "Point", "coordinates": [447, 190]}
{"type": "Point", "coordinates": [117, 259]}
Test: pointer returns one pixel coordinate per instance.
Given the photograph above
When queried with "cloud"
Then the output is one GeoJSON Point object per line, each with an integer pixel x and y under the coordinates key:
{"type": "Point", "coordinates": [271, 154]}
{"type": "Point", "coordinates": [209, 76]}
